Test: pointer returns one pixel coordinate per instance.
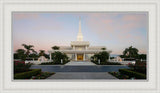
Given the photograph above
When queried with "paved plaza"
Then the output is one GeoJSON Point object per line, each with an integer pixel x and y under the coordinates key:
{"type": "Point", "coordinates": [80, 70]}
{"type": "Point", "coordinates": [80, 63]}
{"type": "Point", "coordinates": [82, 75]}
{"type": "Point", "coordinates": [64, 68]}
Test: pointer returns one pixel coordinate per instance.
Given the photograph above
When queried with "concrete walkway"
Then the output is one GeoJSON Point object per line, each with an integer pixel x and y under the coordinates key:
{"type": "Point", "coordinates": [82, 75]}
{"type": "Point", "coordinates": [74, 68]}
{"type": "Point", "coordinates": [80, 63]}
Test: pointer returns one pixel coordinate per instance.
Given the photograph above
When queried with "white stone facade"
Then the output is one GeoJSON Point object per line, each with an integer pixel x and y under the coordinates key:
{"type": "Point", "coordinates": [79, 50]}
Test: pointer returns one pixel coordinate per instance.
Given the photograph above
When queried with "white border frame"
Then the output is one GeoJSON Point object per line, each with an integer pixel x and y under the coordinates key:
{"type": "Point", "coordinates": [150, 6]}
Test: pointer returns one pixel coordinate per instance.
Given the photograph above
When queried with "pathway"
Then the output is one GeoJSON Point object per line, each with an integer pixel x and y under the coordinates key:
{"type": "Point", "coordinates": [80, 70]}
{"type": "Point", "coordinates": [64, 68]}
{"type": "Point", "coordinates": [80, 63]}
{"type": "Point", "coordinates": [82, 75]}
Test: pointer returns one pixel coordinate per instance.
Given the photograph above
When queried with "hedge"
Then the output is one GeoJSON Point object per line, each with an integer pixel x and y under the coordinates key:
{"type": "Point", "coordinates": [108, 63]}
{"type": "Point", "coordinates": [26, 75]}
{"type": "Point", "coordinates": [132, 74]}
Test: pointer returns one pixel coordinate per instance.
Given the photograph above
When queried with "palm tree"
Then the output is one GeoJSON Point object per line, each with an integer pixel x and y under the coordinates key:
{"type": "Point", "coordinates": [20, 51]}
{"type": "Point", "coordinates": [28, 49]}
{"type": "Point", "coordinates": [41, 53]}
{"type": "Point", "coordinates": [130, 52]}
{"type": "Point", "coordinates": [34, 55]}
{"type": "Point", "coordinates": [55, 48]}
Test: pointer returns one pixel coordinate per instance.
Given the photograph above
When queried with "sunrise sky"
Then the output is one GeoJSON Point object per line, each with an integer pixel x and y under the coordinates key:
{"type": "Point", "coordinates": [116, 31]}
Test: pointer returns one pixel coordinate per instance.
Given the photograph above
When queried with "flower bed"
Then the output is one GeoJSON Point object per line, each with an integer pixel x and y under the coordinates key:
{"type": "Point", "coordinates": [22, 71]}
{"type": "Point", "coordinates": [118, 75]}
{"type": "Point", "coordinates": [139, 67]}
{"type": "Point", "coordinates": [20, 66]}
{"type": "Point", "coordinates": [42, 75]}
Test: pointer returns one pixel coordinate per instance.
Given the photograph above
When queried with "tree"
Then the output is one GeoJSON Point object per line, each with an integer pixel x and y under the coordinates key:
{"type": "Point", "coordinates": [41, 53]}
{"type": "Point", "coordinates": [21, 54]}
{"type": "Point", "coordinates": [130, 52]}
{"type": "Point", "coordinates": [28, 49]}
{"type": "Point", "coordinates": [103, 48]}
{"type": "Point", "coordinates": [102, 56]}
{"type": "Point", "coordinates": [34, 55]}
{"type": "Point", "coordinates": [142, 56]}
{"type": "Point", "coordinates": [15, 56]}
{"type": "Point", "coordinates": [55, 48]}
{"type": "Point", "coordinates": [57, 56]}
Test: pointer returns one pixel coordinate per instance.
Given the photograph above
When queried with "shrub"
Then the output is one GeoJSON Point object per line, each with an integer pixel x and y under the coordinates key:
{"type": "Point", "coordinates": [138, 67]}
{"type": "Point", "coordinates": [47, 63]}
{"type": "Point", "coordinates": [20, 66]}
{"type": "Point", "coordinates": [52, 63]}
{"type": "Point", "coordinates": [42, 75]}
{"type": "Point", "coordinates": [102, 56]}
{"type": "Point", "coordinates": [26, 75]}
{"type": "Point", "coordinates": [118, 75]}
{"type": "Point", "coordinates": [57, 56]}
{"type": "Point", "coordinates": [112, 63]}
{"type": "Point", "coordinates": [107, 63]}
{"type": "Point", "coordinates": [132, 74]}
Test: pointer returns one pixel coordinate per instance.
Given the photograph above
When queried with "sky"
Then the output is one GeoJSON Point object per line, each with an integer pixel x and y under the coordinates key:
{"type": "Point", "coordinates": [115, 30]}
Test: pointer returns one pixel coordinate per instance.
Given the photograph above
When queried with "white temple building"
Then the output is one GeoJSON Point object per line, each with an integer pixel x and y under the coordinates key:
{"type": "Point", "coordinates": [79, 50]}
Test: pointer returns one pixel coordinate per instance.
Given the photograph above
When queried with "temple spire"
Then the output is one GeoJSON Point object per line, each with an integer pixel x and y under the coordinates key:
{"type": "Point", "coordinates": [79, 36]}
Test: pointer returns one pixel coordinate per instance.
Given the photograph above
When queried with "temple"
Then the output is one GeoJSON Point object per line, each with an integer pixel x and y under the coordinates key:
{"type": "Point", "coordinates": [80, 50]}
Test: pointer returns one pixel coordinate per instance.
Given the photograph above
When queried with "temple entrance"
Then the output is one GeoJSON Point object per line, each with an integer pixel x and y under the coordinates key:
{"type": "Point", "coordinates": [79, 57]}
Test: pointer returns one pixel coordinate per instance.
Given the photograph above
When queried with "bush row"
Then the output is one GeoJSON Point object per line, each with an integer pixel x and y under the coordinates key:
{"type": "Point", "coordinates": [26, 75]}
{"type": "Point", "coordinates": [132, 74]}
{"type": "Point", "coordinates": [47, 63]}
{"type": "Point", "coordinates": [20, 66]}
{"type": "Point", "coordinates": [107, 63]}
{"type": "Point", "coordinates": [52, 63]}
